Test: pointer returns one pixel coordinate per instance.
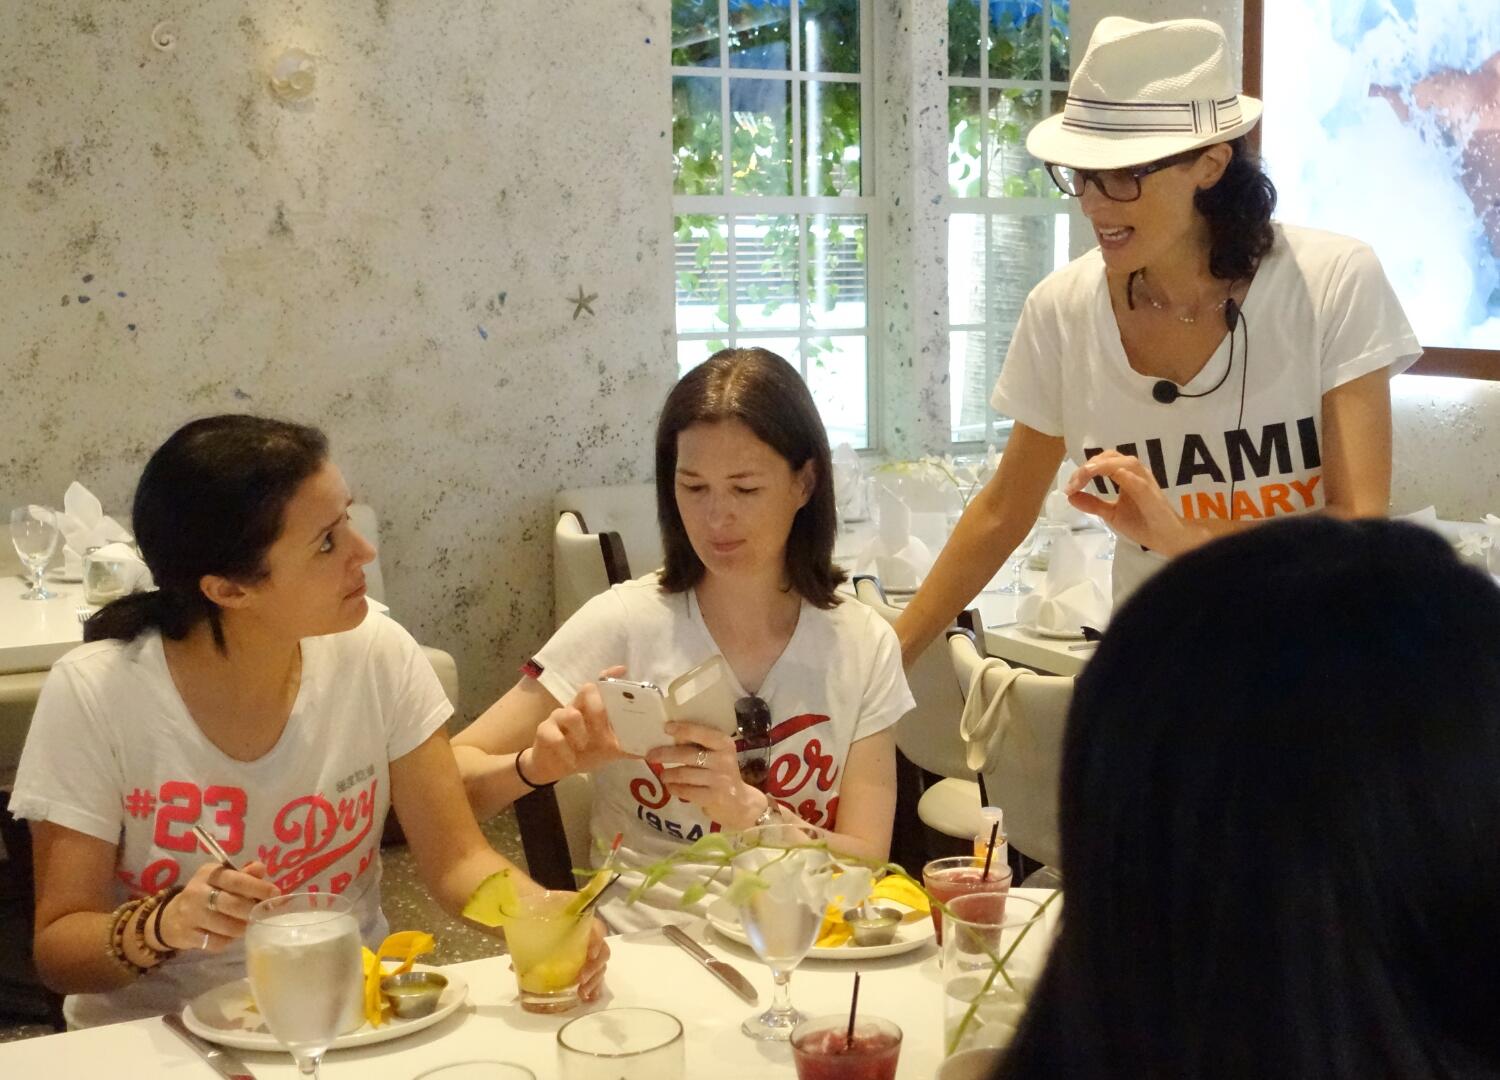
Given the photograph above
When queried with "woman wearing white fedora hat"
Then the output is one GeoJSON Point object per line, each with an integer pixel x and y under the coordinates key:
{"type": "Point", "coordinates": [1137, 359]}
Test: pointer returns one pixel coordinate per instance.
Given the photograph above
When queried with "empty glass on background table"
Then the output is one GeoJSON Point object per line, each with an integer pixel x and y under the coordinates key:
{"type": "Point", "coordinates": [781, 919]}
{"type": "Point", "coordinates": [994, 948]}
{"type": "Point", "coordinates": [302, 953]}
{"type": "Point", "coordinates": [33, 531]}
{"type": "Point", "coordinates": [959, 875]}
{"type": "Point", "coordinates": [478, 1070]}
{"type": "Point", "coordinates": [1046, 536]}
{"type": "Point", "coordinates": [1017, 563]}
{"type": "Point", "coordinates": [822, 1050]}
{"type": "Point", "coordinates": [548, 947]}
{"type": "Point", "coordinates": [622, 1044]}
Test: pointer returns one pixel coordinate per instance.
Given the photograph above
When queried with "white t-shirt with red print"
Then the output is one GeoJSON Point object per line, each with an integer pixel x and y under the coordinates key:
{"type": "Point", "coordinates": [113, 753]}
{"type": "Point", "coordinates": [1319, 313]}
{"type": "Point", "coordinates": [838, 680]}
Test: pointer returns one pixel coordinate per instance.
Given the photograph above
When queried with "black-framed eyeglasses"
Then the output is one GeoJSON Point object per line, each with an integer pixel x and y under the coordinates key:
{"type": "Point", "coordinates": [1121, 185]}
{"type": "Point", "coordinates": [753, 717]}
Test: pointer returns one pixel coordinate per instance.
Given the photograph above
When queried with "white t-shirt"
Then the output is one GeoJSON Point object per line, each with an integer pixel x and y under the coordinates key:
{"type": "Point", "coordinates": [838, 680]}
{"type": "Point", "coordinates": [1319, 312]}
{"type": "Point", "coordinates": [113, 753]}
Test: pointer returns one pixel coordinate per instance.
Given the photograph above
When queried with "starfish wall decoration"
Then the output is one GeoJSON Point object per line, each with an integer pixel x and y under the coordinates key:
{"type": "Point", "coordinates": [582, 302]}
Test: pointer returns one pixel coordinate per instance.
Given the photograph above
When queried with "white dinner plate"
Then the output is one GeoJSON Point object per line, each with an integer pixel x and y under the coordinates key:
{"type": "Point", "coordinates": [909, 936]}
{"type": "Point", "coordinates": [1055, 635]}
{"type": "Point", "coordinates": [61, 575]}
{"type": "Point", "coordinates": [226, 1015]}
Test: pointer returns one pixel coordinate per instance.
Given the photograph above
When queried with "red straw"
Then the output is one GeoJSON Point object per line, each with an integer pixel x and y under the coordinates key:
{"type": "Point", "coordinates": [853, 1005]}
{"type": "Point", "coordinates": [990, 854]}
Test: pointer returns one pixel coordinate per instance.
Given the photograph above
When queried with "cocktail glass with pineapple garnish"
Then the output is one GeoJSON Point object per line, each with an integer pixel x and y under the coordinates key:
{"type": "Point", "coordinates": [547, 932]}
{"type": "Point", "coordinates": [549, 942]}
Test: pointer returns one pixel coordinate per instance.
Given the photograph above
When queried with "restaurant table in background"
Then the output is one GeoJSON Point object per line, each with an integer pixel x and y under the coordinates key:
{"type": "Point", "coordinates": [645, 969]}
{"type": "Point", "coordinates": [1003, 637]}
{"type": "Point", "coordinates": [34, 634]}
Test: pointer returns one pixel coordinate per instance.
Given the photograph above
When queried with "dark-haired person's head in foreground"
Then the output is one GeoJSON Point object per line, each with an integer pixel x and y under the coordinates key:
{"type": "Point", "coordinates": [1281, 820]}
{"type": "Point", "coordinates": [746, 415]}
{"type": "Point", "coordinates": [236, 517]}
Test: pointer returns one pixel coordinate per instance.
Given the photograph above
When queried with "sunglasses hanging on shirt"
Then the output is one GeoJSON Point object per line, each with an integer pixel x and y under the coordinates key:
{"type": "Point", "coordinates": [753, 717]}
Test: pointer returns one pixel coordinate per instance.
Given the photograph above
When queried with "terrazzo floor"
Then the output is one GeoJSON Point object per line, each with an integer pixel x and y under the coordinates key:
{"type": "Point", "coordinates": [407, 907]}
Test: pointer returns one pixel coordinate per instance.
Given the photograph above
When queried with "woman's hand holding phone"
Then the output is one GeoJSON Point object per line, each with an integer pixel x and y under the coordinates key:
{"type": "Point", "coordinates": [702, 767]}
{"type": "Point", "coordinates": [574, 738]}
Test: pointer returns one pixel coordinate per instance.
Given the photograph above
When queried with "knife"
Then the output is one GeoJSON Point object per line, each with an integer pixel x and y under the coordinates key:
{"type": "Point", "coordinates": [223, 1062]}
{"type": "Point", "coordinates": [721, 969]}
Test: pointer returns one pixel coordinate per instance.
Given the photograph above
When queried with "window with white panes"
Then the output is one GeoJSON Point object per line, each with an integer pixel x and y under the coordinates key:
{"type": "Point", "coordinates": [1007, 223]}
{"type": "Point", "coordinates": [771, 119]}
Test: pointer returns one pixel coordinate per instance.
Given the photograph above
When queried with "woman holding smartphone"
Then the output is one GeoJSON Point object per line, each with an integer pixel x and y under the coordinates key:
{"type": "Point", "coordinates": [745, 500]}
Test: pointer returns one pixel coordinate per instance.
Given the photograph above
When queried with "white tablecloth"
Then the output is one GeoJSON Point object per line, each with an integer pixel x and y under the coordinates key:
{"type": "Point", "coordinates": [36, 633]}
{"type": "Point", "coordinates": [645, 969]}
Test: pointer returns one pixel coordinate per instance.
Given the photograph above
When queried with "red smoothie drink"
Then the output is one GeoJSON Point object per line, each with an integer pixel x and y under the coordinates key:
{"type": "Point", "coordinates": [822, 1050]}
{"type": "Point", "coordinates": [960, 876]}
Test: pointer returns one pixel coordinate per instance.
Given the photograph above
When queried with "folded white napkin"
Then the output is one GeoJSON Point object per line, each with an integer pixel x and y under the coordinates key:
{"type": "Point", "coordinates": [895, 556]}
{"type": "Point", "coordinates": [1068, 599]}
{"type": "Point", "coordinates": [85, 525]}
{"type": "Point", "coordinates": [1427, 516]}
{"type": "Point", "coordinates": [1493, 558]}
{"type": "Point", "coordinates": [1056, 507]}
{"type": "Point", "coordinates": [850, 492]}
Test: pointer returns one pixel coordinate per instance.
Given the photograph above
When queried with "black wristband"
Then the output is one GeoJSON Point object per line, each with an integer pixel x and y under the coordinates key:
{"type": "Point", "coordinates": [167, 898]}
{"type": "Point", "coordinates": [522, 776]}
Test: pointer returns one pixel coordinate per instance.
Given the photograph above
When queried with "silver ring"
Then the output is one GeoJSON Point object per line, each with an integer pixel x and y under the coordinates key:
{"type": "Point", "coordinates": [204, 945]}
{"type": "Point", "coordinates": [702, 757]}
{"type": "Point", "coordinates": [213, 899]}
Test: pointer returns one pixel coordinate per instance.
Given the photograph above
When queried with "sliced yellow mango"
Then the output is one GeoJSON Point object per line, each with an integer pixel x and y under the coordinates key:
{"type": "Point", "coordinates": [406, 946]}
{"type": "Point", "coordinates": [835, 931]}
{"type": "Point", "coordinates": [374, 1002]}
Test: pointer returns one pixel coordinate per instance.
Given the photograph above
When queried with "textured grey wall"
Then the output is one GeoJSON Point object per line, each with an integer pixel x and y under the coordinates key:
{"type": "Point", "coordinates": [389, 259]}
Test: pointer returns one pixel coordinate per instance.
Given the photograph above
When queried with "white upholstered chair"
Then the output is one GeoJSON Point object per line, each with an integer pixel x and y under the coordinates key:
{"type": "Point", "coordinates": [928, 735]}
{"type": "Point", "coordinates": [629, 510]}
{"type": "Point", "coordinates": [1022, 748]}
{"type": "Point", "coordinates": [584, 564]}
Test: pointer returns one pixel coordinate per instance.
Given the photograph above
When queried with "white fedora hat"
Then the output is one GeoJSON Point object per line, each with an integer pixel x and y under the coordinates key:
{"type": "Point", "coordinates": [1145, 91]}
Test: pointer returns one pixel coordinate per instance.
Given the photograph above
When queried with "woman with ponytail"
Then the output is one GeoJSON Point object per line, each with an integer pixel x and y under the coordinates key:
{"type": "Point", "coordinates": [1210, 368]}
{"type": "Point", "coordinates": [253, 694]}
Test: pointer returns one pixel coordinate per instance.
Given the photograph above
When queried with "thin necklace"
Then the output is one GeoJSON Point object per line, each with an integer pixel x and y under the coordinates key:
{"type": "Point", "coordinates": [1188, 320]}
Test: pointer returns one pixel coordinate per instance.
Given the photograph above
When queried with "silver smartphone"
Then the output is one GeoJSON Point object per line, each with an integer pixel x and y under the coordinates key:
{"type": "Point", "coordinates": [638, 713]}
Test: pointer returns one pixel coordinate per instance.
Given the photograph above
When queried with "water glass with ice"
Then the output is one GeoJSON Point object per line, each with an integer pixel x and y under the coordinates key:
{"type": "Point", "coordinates": [302, 952]}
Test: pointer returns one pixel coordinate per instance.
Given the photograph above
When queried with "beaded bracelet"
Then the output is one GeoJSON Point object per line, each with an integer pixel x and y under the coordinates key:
{"type": "Point", "coordinates": [114, 945]}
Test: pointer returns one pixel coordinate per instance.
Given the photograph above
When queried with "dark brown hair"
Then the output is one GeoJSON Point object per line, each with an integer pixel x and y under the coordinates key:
{"type": "Point", "coordinates": [211, 501]}
{"type": "Point", "coordinates": [1238, 209]}
{"type": "Point", "coordinates": [767, 395]}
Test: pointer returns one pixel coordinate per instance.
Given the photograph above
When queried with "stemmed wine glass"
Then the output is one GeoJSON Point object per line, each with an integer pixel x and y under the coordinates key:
{"type": "Point", "coordinates": [302, 952]}
{"type": "Point", "coordinates": [1016, 586]}
{"type": "Point", "coordinates": [792, 871]}
{"type": "Point", "coordinates": [33, 530]}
